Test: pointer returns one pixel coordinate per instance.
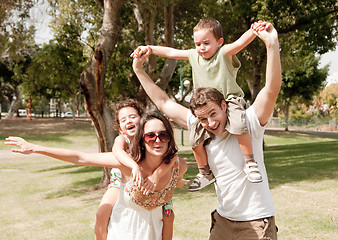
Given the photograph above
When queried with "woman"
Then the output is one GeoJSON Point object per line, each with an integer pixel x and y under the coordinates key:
{"type": "Point", "coordinates": [153, 144]}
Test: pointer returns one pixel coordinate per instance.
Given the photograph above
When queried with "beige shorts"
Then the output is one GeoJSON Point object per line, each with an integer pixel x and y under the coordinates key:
{"type": "Point", "coordinates": [225, 229]}
{"type": "Point", "coordinates": [236, 123]}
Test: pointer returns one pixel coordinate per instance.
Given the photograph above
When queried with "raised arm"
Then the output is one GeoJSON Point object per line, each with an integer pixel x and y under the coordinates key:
{"type": "Point", "coordinates": [239, 44]}
{"type": "Point", "coordinates": [161, 51]}
{"type": "Point", "coordinates": [119, 149]}
{"type": "Point", "coordinates": [266, 98]}
{"type": "Point", "coordinates": [67, 155]}
{"type": "Point", "coordinates": [171, 109]}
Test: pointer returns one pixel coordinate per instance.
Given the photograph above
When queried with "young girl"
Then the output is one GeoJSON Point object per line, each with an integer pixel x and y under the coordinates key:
{"type": "Point", "coordinates": [158, 147]}
{"type": "Point", "coordinates": [127, 118]}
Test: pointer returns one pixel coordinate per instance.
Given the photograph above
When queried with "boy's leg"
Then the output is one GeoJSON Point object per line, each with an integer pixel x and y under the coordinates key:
{"type": "Point", "coordinates": [250, 166]}
{"type": "Point", "coordinates": [205, 176]}
{"type": "Point", "coordinates": [104, 211]}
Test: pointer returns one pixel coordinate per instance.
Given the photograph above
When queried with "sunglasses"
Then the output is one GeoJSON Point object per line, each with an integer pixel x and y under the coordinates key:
{"type": "Point", "coordinates": [151, 137]}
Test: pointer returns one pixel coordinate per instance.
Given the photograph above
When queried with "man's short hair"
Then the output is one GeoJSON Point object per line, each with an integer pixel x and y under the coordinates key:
{"type": "Point", "coordinates": [212, 25]}
{"type": "Point", "coordinates": [203, 95]}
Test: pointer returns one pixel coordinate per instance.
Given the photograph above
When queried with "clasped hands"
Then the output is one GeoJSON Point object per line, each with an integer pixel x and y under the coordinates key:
{"type": "Point", "coordinates": [145, 181]}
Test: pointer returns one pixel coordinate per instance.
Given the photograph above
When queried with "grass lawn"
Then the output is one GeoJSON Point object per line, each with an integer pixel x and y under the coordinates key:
{"type": "Point", "coordinates": [43, 198]}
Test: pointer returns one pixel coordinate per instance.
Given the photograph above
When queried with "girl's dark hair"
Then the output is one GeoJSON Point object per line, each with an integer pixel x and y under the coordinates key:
{"type": "Point", "coordinates": [137, 148]}
{"type": "Point", "coordinates": [128, 102]}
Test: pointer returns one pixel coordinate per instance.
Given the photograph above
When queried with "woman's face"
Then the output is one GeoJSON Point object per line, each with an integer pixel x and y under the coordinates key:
{"type": "Point", "coordinates": [129, 120]}
{"type": "Point", "coordinates": [155, 137]}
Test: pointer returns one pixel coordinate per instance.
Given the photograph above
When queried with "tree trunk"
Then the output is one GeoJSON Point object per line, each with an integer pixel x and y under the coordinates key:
{"type": "Point", "coordinates": [14, 107]}
{"type": "Point", "coordinates": [93, 78]}
{"type": "Point", "coordinates": [170, 64]}
{"type": "Point", "coordinates": [286, 114]}
{"type": "Point", "coordinates": [149, 14]}
{"type": "Point", "coordinates": [256, 84]}
{"type": "Point", "coordinates": [149, 23]}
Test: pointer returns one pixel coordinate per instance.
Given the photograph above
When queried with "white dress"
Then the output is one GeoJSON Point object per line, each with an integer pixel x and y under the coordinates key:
{"type": "Point", "coordinates": [130, 221]}
{"type": "Point", "coordinates": [144, 220]}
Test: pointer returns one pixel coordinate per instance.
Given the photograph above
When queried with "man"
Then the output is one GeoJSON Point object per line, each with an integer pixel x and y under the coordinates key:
{"type": "Point", "coordinates": [245, 209]}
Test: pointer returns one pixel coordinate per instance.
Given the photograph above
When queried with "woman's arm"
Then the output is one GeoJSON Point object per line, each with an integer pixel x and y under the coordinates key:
{"type": "Point", "coordinates": [181, 182]}
{"type": "Point", "coordinates": [67, 155]}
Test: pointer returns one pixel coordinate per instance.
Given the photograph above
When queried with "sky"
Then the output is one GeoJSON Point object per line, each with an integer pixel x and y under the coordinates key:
{"type": "Point", "coordinates": [331, 58]}
{"type": "Point", "coordinates": [40, 19]}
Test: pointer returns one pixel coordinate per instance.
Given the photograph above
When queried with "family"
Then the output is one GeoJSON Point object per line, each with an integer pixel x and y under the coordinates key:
{"type": "Point", "coordinates": [226, 137]}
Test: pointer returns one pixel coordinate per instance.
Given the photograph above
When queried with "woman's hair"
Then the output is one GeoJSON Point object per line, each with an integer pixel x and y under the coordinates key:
{"type": "Point", "coordinates": [137, 148]}
{"type": "Point", "coordinates": [210, 24]}
{"type": "Point", "coordinates": [126, 103]}
{"type": "Point", "coordinates": [202, 96]}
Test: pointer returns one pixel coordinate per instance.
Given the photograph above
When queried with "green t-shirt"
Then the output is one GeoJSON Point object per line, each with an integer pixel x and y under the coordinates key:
{"type": "Point", "coordinates": [216, 72]}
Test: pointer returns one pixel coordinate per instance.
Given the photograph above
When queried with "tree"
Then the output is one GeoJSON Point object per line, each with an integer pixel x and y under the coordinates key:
{"type": "Point", "coordinates": [302, 83]}
{"type": "Point", "coordinates": [92, 79]}
{"type": "Point", "coordinates": [329, 96]}
{"type": "Point", "coordinates": [16, 49]}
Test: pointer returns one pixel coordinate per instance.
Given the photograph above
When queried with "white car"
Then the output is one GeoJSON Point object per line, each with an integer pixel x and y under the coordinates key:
{"type": "Point", "coordinates": [22, 113]}
{"type": "Point", "coordinates": [67, 115]}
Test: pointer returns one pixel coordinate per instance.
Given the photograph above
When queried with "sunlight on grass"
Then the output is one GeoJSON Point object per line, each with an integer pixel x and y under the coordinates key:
{"type": "Point", "coordinates": [42, 198]}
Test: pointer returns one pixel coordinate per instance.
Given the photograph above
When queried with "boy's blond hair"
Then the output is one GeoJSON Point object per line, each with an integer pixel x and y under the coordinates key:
{"type": "Point", "coordinates": [212, 25]}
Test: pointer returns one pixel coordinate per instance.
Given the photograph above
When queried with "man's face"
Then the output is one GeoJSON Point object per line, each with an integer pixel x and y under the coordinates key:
{"type": "Point", "coordinates": [213, 117]}
{"type": "Point", "coordinates": [206, 43]}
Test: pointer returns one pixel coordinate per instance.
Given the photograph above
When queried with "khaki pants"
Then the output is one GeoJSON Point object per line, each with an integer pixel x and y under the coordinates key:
{"type": "Point", "coordinates": [224, 229]}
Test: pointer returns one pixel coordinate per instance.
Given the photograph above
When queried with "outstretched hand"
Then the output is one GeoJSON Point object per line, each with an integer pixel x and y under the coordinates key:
{"type": "Point", "coordinates": [139, 60]}
{"type": "Point", "coordinates": [24, 146]}
{"type": "Point", "coordinates": [266, 32]}
{"type": "Point", "coordinates": [141, 50]}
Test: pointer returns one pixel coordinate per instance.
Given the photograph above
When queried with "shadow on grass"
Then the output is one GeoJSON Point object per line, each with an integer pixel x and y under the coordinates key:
{"type": "Point", "coordinates": [75, 168]}
{"type": "Point", "coordinates": [300, 162]}
{"type": "Point", "coordinates": [77, 189]}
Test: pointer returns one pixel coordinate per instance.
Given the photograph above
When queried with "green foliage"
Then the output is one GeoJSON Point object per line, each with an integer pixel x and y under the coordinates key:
{"type": "Point", "coordinates": [303, 82]}
{"type": "Point", "coordinates": [304, 28]}
{"type": "Point", "coordinates": [55, 71]}
{"type": "Point", "coordinates": [329, 96]}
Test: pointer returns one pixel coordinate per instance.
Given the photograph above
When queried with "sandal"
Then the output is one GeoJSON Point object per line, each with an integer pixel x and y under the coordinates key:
{"type": "Point", "coordinates": [252, 172]}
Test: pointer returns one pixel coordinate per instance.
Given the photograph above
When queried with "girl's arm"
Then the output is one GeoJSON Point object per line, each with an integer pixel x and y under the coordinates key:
{"type": "Point", "coordinates": [161, 51]}
{"type": "Point", "coordinates": [67, 155]}
{"type": "Point", "coordinates": [119, 150]}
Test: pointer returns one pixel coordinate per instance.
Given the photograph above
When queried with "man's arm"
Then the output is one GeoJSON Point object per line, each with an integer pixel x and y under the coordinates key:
{"type": "Point", "coordinates": [171, 109]}
{"type": "Point", "coordinates": [266, 98]}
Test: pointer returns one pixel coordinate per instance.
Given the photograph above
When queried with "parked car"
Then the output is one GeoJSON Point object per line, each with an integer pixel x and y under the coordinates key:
{"type": "Point", "coordinates": [22, 113]}
{"type": "Point", "coordinates": [67, 115]}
